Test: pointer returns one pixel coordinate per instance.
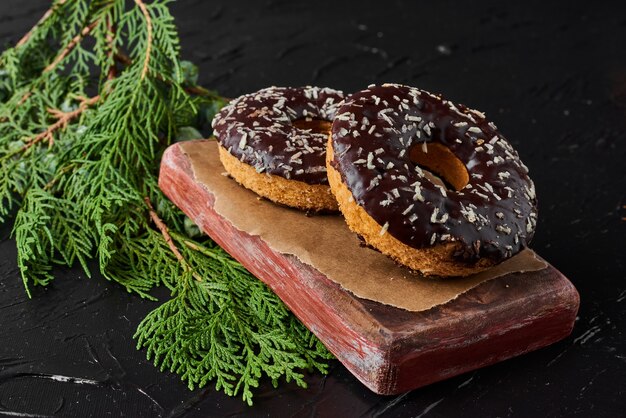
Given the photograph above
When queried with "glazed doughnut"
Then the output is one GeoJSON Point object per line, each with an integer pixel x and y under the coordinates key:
{"type": "Point", "coordinates": [273, 142]}
{"type": "Point", "coordinates": [430, 183]}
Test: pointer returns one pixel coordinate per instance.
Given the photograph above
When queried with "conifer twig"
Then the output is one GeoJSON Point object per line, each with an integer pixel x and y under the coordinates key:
{"type": "Point", "coordinates": [110, 40]}
{"type": "Point", "coordinates": [194, 246]}
{"type": "Point", "coordinates": [122, 58]}
{"type": "Point", "coordinates": [24, 98]}
{"type": "Point", "coordinates": [158, 222]}
{"type": "Point", "coordinates": [63, 118]}
{"type": "Point", "coordinates": [43, 18]}
{"type": "Point", "coordinates": [146, 15]}
{"type": "Point", "coordinates": [197, 90]}
{"type": "Point", "coordinates": [75, 40]}
{"type": "Point", "coordinates": [61, 173]}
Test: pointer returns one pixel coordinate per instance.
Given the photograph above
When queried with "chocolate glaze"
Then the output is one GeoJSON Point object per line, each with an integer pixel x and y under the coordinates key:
{"type": "Point", "coordinates": [493, 216]}
{"type": "Point", "coordinates": [258, 129]}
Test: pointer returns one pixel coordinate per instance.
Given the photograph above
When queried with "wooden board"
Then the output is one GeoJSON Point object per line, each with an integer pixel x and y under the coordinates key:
{"type": "Point", "coordinates": [391, 350]}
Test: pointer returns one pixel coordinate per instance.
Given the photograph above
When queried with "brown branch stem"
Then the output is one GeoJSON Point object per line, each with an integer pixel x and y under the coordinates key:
{"type": "Point", "coordinates": [63, 118]}
{"type": "Point", "coordinates": [61, 173]}
{"type": "Point", "coordinates": [158, 222]}
{"type": "Point", "coordinates": [24, 98]}
{"type": "Point", "coordinates": [70, 46]}
{"type": "Point", "coordinates": [146, 15]}
{"type": "Point", "coordinates": [199, 91]}
{"type": "Point", "coordinates": [123, 58]}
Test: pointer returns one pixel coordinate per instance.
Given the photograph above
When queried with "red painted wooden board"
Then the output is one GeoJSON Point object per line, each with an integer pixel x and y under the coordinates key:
{"type": "Point", "coordinates": [391, 350]}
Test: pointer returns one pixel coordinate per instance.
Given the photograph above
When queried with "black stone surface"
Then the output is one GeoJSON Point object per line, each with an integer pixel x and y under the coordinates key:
{"type": "Point", "coordinates": [552, 75]}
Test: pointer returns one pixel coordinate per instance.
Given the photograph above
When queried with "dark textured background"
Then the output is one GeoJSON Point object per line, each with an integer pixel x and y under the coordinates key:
{"type": "Point", "coordinates": [553, 78]}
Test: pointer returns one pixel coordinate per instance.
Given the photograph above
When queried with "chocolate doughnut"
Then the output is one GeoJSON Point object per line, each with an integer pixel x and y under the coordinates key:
{"type": "Point", "coordinates": [273, 142]}
{"type": "Point", "coordinates": [430, 183]}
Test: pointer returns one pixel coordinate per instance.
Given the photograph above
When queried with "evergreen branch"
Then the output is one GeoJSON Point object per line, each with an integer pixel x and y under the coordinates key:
{"type": "Point", "coordinates": [201, 91]}
{"type": "Point", "coordinates": [43, 18]}
{"type": "Point", "coordinates": [191, 89]}
{"type": "Point", "coordinates": [168, 239]}
{"type": "Point", "coordinates": [63, 118]}
{"type": "Point", "coordinates": [58, 176]}
{"type": "Point", "coordinates": [24, 98]}
{"type": "Point", "coordinates": [197, 247]}
{"type": "Point", "coordinates": [110, 40]}
{"type": "Point", "coordinates": [229, 328]}
{"type": "Point", "coordinates": [70, 46]}
{"type": "Point", "coordinates": [95, 193]}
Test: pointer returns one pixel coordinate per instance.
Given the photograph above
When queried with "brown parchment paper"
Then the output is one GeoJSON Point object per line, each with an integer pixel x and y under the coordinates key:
{"type": "Point", "coordinates": [326, 243]}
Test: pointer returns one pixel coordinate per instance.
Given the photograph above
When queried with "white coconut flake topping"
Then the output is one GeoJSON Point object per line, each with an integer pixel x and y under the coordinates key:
{"type": "Point", "coordinates": [504, 229]}
{"type": "Point", "coordinates": [433, 217]}
{"type": "Point", "coordinates": [242, 141]}
{"type": "Point", "coordinates": [408, 209]}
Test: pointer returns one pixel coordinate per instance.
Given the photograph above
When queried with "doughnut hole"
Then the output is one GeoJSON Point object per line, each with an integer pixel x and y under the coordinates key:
{"type": "Point", "coordinates": [441, 162]}
{"type": "Point", "coordinates": [317, 126]}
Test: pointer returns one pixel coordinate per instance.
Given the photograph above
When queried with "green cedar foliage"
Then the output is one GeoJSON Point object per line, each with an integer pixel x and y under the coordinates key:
{"type": "Point", "coordinates": [89, 99]}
